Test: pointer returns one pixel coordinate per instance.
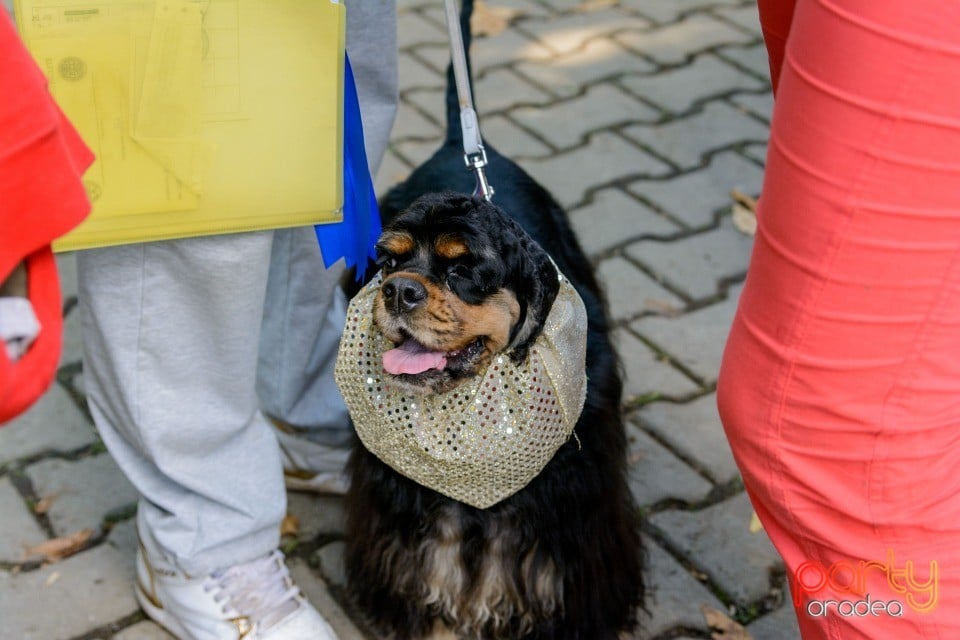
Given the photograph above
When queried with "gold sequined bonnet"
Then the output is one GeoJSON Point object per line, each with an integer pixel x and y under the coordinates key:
{"type": "Point", "coordinates": [485, 439]}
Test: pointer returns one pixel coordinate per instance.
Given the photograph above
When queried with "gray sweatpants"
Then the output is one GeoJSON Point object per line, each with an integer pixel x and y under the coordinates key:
{"type": "Point", "coordinates": [179, 376]}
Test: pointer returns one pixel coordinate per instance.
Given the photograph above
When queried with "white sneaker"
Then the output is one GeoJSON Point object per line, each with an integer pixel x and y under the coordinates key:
{"type": "Point", "coordinates": [311, 466]}
{"type": "Point", "coordinates": [252, 601]}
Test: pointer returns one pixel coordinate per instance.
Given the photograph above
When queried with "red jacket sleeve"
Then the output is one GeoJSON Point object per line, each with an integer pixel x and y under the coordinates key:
{"type": "Point", "coordinates": [42, 160]}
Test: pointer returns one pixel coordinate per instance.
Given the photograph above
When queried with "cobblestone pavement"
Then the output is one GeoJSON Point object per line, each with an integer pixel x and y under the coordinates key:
{"type": "Point", "coordinates": [640, 116]}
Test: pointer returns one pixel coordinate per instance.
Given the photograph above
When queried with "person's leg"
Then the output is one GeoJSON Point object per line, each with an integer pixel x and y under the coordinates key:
{"type": "Point", "coordinates": [306, 308]}
{"type": "Point", "coordinates": [840, 381]}
{"type": "Point", "coordinates": [170, 334]}
{"type": "Point", "coordinates": [302, 322]}
{"type": "Point", "coordinates": [170, 350]}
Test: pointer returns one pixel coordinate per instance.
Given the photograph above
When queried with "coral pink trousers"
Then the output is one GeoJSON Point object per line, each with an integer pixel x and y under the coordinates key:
{"type": "Point", "coordinates": [840, 384]}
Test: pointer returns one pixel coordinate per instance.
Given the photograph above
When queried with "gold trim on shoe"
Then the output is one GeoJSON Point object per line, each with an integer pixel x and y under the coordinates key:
{"type": "Point", "coordinates": [299, 474]}
{"type": "Point", "coordinates": [244, 628]}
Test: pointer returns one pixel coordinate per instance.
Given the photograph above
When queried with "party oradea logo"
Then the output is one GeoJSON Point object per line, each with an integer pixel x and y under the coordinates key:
{"type": "Point", "coordinates": [865, 588]}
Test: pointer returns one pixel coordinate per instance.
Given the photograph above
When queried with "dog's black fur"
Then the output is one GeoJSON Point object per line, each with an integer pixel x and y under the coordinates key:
{"type": "Point", "coordinates": [561, 559]}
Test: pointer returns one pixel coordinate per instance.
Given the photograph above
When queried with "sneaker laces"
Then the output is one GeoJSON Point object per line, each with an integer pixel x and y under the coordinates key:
{"type": "Point", "coordinates": [261, 590]}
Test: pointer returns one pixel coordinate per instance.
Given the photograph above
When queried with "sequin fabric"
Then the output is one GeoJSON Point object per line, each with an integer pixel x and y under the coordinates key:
{"type": "Point", "coordinates": [485, 439]}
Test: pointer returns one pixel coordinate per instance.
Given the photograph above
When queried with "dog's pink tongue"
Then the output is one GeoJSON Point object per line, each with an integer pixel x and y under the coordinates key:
{"type": "Point", "coordinates": [411, 357]}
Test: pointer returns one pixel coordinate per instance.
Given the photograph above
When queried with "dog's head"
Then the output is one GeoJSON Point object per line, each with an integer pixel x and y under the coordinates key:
{"type": "Point", "coordinates": [462, 282]}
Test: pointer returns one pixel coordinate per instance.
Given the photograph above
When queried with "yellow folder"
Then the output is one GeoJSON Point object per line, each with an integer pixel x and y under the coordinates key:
{"type": "Point", "coordinates": [206, 116]}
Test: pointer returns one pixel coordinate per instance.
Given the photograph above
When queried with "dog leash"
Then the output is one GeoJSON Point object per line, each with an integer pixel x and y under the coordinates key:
{"type": "Point", "coordinates": [474, 154]}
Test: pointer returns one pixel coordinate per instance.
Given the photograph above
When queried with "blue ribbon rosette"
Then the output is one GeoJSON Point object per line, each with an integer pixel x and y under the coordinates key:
{"type": "Point", "coordinates": [355, 236]}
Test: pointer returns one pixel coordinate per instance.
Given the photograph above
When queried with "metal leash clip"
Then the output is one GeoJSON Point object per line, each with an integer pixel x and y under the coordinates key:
{"type": "Point", "coordinates": [474, 155]}
{"type": "Point", "coordinates": [477, 163]}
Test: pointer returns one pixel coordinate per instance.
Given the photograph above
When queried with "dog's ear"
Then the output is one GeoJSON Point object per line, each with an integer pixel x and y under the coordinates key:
{"type": "Point", "coordinates": [531, 275]}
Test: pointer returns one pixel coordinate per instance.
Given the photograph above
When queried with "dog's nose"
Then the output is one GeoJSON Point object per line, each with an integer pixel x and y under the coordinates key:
{"type": "Point", "coordinates": [403, 294]}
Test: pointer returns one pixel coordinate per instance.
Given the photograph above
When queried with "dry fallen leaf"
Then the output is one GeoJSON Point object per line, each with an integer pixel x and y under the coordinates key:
{"type": "Point", "coordinates": [755, 525]}
{"type": "Point", "coordinates": [290, 525]}
{"type": "Point", "coordinates": [699, 575]}
{"type": "Point", "coordinates": [722, 627]}
{"type": "Point", "coordinates": [661, 306]}
{"type": "Point", "coordinates": [595, 5]}
{"type": "Point", "coordinates": [747, 201]}
{"type": "Point", "coordinates": [60, 548]}
{"type": "Point", "coordinates": [44, 504]}
{"type": "Point", "coordinates": [489, 20]}
{"type": "Point", "coordinates": [744, 213]}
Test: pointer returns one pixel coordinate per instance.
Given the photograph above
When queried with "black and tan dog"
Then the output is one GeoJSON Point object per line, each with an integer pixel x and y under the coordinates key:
{"type": "Point", "coordinates": [464, 280]}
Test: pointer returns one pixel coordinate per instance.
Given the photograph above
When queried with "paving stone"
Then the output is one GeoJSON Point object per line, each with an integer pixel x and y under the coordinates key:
{"type": "Point", "coordinates": [674, 597]}
{"type": "Point", "coordinates": [69, 598]}
{"type": "Point", "coordinates": [697, 264]}
{"type": "Point", "coordinates": [123, 537]}
{"type": "Point", "coordinates": [669, 10]}
{"type": "Point", "coordinates": [71, 349]}
{"type": "Point", "coordinates": [330, 557]}
{"type": "Point", "coordinates": [614, 217]}
{"type": "Point", "coordinates": [392, 170]}
{"type": "Point", "coordinates": [695, 339]}
{"type": "Point", "coordinates": [656, 474]}
{"type": "Point", "coordinates": [76, 382]}
{"type": "Point", "coordinates": [416, 152]}
{"type": "Point", "coordinates": [719, 541]}
{"type": "Point", "coordinates": [503, 89]}
{"type": "Point", "coordinates": [67, 272]}
{"type": "Point", "coordinates": [565, 34]}
{"type": "Point", "coordinates": [747, 17]}
{"type": "Point", "coordinates": [316, 591]}
{"type": "Point", "coordinates": [596, 61]}
{"type": "Point", "coordinates": [316, 513]}
{"type": "Point", "coordinates": [758, 104]}
{"type": "Point", "coordinates": [694, 430]}
{"type": "Point", "coordinates": [631, 292]}
{"type": "Point", "coordinates": [752, 57]}
{"type": "Point", "coordinates": [677, 90]}
{"type": "Point", "coordinates": [435, 55]}
{"type": "Point", "coordinates": [566, 124]}
{"type": "Point", "coordinates": [757, 152]}
{"type": "Point", "coordinates": [410, 21]}
{"type": "Point", "coordinates": [488, 52]}
{"type": "Point", "coordinates": [54, 423]}
{"type": "Point", "coordinates": [678, 41]}
{"type": "Point", "coordinates": [506, 48]}
{"type": "Point", "coordinates": [84, 491]}
{"type": "Point", "coordinates": [414, 74]}
{"type": "Point", "coordinates": [410, 123]}
{"type": "Point", "coordinates": [778, 625]}
{"type": "Point", "coordinates": [505, 136]}
{"type": "Point", "coordinates": [429, 101]}
{"type": "Point", "coordinates": [526, 8]}
{"type": "Point", "coordinates": [18, 528]}
{"type": "Point", "coordinates": [570, 174]}
{"type": "Point", "coordinates": [694, 198]}
{"type": "Point", "coordinates": [687, 140]}
{"type": "Point", "coordinates": [645, 374]}
{"type": "Point", "coordinates": [146, 630]}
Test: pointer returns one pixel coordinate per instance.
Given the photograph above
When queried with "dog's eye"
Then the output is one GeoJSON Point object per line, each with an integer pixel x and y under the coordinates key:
{"type": "Point", "coordinates": [458, 271]}
{"type": "Point", "coordinates": [387, 262]}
